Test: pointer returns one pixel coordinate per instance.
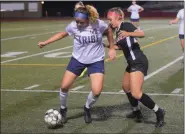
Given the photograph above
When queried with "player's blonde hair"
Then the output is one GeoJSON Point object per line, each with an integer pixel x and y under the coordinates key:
{"type": "Point", "coordinates": [79, 4]}
{"type": "Point", "coordinates": [117, 10]}
{"type": "Point", "coordinates": [91, 11]}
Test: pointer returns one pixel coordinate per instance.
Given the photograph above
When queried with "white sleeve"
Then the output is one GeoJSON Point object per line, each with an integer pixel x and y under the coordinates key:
{"type": "Point", "coordinates": [179, 15]}
{"type": "Point", "coordinates": [70, 28]}
{"type": "Point", "coordinates": [129, 8]}
{"type": "Point", "coordinates": [103, 26]}
{"type": "Point", "coordinates": [139, 7]}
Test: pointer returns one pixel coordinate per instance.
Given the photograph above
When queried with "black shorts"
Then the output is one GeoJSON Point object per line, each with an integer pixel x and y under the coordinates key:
{"type": "Point", "coordinates": [181, 36]}
{"type": "Point", "coordinates": [140, 64]}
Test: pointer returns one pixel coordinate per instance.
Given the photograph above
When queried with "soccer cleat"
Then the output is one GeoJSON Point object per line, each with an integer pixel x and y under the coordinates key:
{"type": "Point", "coordinates": [136, 114]}
{"type": "Point", "coordinates": [87, 115]}
{"type": "Point", "coordinates": [160, 117]}
{"type": "Point", "coordinates": [63, 112]}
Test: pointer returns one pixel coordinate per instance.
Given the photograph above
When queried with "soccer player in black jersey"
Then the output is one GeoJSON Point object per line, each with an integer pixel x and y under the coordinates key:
{"type": "Point", "coordinates": [133, 77]}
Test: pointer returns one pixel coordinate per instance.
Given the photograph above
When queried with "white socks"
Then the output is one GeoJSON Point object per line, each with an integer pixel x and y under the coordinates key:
{"type": "Point", "coordinates": [63, 99]}
{"type": "Point", "coordinates": [156, 107]}
{"type": "Point", "coordinates": [91, 99]}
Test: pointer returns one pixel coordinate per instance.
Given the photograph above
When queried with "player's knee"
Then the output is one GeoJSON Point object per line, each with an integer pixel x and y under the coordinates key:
{"type": "Point", "coordinates": [96, 93]}
{"type": "Point", "coordinates": [137, 95]}
{"type": "Point", "coordinates": [64, 89]}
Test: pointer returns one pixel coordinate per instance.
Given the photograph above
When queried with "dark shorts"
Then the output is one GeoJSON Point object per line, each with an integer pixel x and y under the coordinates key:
{"type": "Point", "coordinates": [134, 20]}
{"type": "Point", "coordinates": [77, 68]}
{"type": "Point", "coordinates": [140, 64]}
{"type": "Point", "coordinates": [181, 36]}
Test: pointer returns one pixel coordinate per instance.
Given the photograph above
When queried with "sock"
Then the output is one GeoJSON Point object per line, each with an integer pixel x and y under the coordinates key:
{"type": "Point", "coordinates": [148, 102]}
{"type": "Point", "coordinates": [91, 99]}
{"type": "Point", "coordinates": [133, 102]}
{"type": "Point", "coordinates": [63, 99]}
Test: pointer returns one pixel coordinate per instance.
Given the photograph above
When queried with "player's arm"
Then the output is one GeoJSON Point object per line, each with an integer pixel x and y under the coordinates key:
{"type": "Point", "coordinates": [128, 9]}
{"type": "Point", "coordinates": [52, 39]}
{"type": "Point", "coordinates": [112, 52]}
{"type": "Point", "coordinates": [176, 20]}
{"type": "Point", "coordinates": [132, 31]}
{"type": "Point", "coordinates": [141, 9]}
{"type": "Point", "coordinates": [116, 47]}
{"type": "Point", "coordinates": [178, 17]}
{"type": "Point", "coordinates": [136, 33]}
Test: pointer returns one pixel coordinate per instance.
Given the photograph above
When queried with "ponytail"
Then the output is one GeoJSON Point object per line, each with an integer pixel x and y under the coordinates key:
{"type": "Point", "coordinates": [93, 13]}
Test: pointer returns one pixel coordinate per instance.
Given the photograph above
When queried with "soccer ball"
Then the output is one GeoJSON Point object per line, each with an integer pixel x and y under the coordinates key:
{"type": "Point", "coordinates": [53, 118]}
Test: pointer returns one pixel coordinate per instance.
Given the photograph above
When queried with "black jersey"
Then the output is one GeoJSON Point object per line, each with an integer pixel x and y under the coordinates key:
{"type": "Point", "coordinates": [129, 44]}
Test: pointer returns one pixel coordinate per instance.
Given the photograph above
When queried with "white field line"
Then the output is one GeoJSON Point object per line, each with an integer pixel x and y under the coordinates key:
{"type": "Point", "coordinates": [28, 56]}
{"type": "Point", "coordinates": [176, 91]}
{"type": "Point", "coordinates": [23, 28]}
{"type": "Point", "coordinates": [31, 87]}
{"type": "Point", "coordinates": [77, 88]}
{"type": "Point", "coordinates": [160, 27]}
{"type": "Point", "coordinates": [160, 69]}
{"type": "Point", "coordinates": [28, 35]}
{"type": "Point", "coordinates": [83, 92]}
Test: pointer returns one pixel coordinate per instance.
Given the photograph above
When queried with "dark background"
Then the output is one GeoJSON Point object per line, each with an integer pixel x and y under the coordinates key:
{"type": "Point", "coordinates": [66, 7]}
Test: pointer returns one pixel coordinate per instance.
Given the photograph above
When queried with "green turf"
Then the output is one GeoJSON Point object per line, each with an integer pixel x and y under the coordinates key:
{"type": "Point", "coordinates": [23, 112]}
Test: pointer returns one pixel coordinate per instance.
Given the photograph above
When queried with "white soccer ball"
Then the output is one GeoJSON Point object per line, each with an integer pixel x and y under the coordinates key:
{"type": "Point", "coordinates": [53, 118]}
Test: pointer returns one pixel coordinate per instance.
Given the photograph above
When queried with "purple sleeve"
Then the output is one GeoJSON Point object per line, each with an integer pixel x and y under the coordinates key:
{"type": "Point", "coordinates": [70, 29]}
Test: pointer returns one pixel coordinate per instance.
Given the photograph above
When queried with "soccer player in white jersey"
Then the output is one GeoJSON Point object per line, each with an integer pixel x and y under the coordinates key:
{"type": "Point", "coordinates": [180, 17]}
{"type": "Point", "coordinates": [135, 9]}
{"type": "Point", "coordinates": [88, 51]}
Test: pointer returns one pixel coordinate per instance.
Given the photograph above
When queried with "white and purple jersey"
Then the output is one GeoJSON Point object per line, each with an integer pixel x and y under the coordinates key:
{"type": "Point", "coordinates": [134, 9]}
{"type": "Point", "coordinates": [88, 46]}
{"type": "Point", "coordinates": [180, 16]}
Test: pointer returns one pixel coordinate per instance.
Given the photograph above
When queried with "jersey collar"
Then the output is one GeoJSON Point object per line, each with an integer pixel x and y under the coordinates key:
{"type": "Point", "coordinates": [119, 26]}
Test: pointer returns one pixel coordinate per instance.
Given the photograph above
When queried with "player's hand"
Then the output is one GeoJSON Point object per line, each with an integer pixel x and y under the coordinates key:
{"type": "Point", "coordinates": [42, 44]}
{"type": "Point", "coordinates": [170, 23]}
{"type": "Point", "coordinates": [123, 34]}
{"type": "Point", "coordinates": [112, 54]}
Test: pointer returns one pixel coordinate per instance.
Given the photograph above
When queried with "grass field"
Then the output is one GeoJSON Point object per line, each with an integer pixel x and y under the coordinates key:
{"type": "Point", "coordinates": [30, 79]}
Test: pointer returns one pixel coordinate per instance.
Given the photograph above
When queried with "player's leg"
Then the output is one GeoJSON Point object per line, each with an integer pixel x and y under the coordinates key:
{"type": "Point", "coordinates": [137, 24]}
{"type": "Point", "coordinates": [136, 113]}
{"type": "Point", "coordinates": [136, 83]}
{"type": "Point", "coordinates": [182, 41]}
{"type": "Point", "coordinates": [74, 69]}
{"type": "Point", "coordinates": [181, 37]}
{"type": "Point", "coordinates": [96, 74]}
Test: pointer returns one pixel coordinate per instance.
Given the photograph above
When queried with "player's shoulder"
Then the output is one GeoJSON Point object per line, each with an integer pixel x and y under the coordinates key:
{"type": "Point", "coordinates": [100, 23]}
{"type": "Point", "coordinates": [126, 23]}
{"type": "Point", "coordinates": [131, 6]}
{"type": "Point", "coordinates": [73, 23]}
{"type": "Point", "coordinates": [138, 6]}
{"type": "Point", "coordinates": [182, 10]}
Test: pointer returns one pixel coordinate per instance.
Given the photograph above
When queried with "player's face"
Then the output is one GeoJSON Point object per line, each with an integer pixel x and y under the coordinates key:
{"type": "Point", "coordinates": [113, 20]}
{"type": "Point", "coordinates": [81, 23]}
{"type": "Point", "coordinates": [133, 2]}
